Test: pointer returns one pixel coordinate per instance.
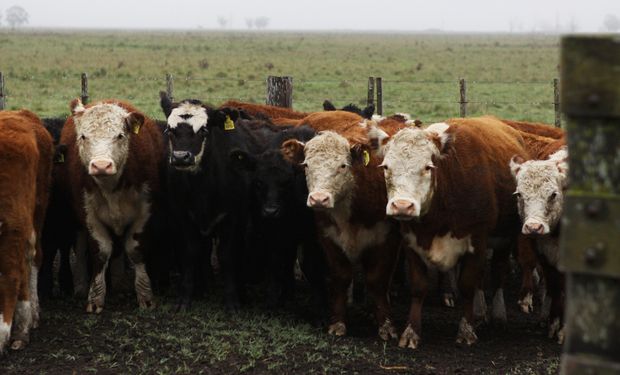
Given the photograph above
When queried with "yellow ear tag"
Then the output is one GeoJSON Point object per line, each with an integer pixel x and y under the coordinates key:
{"type": "Point", "coordinates": [229, 124]}
{"type": "Point", "coordinates": [366, 156]}
{"type": "Point", "coordinates": [136, 128]}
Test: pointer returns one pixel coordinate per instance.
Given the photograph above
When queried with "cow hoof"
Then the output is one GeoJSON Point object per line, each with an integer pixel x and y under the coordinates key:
{"type": "Point", "coordinates": [93, 308]}
{"type": "Point", "coordinates": [466, 334]}
{"type": "Point", "coordinates": [448, 299]}
{"type": "Point", "coordinates": [387, 331]}
{"type": "Point", "coordinates": [146, 304]}
{"type": "Point", "coordinates": [18, 345]}
{"type": "Point", "coordinates": [526, 303]}
{"type": "Point", "coordinates": [337, 329]}
{"type": "Point", "coordinates": [409, 339]}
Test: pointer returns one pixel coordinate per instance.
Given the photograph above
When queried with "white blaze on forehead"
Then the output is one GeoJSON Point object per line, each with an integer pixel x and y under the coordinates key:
{"type": "Point", "coordinates": [192, 114]}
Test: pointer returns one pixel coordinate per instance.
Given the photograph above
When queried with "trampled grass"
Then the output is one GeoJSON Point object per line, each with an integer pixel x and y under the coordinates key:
{"type": "Point", "coordinates": [507, 75]}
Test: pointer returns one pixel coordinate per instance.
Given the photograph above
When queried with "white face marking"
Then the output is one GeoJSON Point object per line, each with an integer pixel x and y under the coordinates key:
{"type": "Point", "coordinates": [407, 168]}
{"type": "Point", "coordinates": [102, 135]}
{"type": "Point", "coordinates": [540, 191]}
{"type": "Point", "coordinates": [352, 241]}
{"type": "Point", "coordinates": [444, 252]}
{"type": "Point", "coordinates": [191, 114]}
{"type": "Point", "coordinates": [328, 167]}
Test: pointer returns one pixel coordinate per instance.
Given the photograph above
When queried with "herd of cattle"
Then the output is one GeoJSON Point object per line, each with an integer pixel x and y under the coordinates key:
{"type": "Point", "coordinates": [264, 188]}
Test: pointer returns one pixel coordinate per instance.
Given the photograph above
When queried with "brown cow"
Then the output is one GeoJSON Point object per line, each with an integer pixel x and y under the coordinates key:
{"type": "Point", "coordinates": [114, 155]}
{"type": "Point", "coordinates": [265, 110]}
{"type": "Point", "coordinates": [346, 189]}
{"type": "Point", "coordinates": [452, 178]}
{"type": "Point", "coordinates": [26, 152]}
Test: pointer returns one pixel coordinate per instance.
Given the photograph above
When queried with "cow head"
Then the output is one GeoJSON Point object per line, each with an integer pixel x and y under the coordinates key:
{"type": "Point", "coordinates": [409, 169]}
{"type": "Point", "coordinates": [188, 125]}
{"type": "Point", "coordinates": [540, 191]}
{"type": "Point", "coordinates": [103, 132]}
{"type": "Point", "coordinates": [327, 159]}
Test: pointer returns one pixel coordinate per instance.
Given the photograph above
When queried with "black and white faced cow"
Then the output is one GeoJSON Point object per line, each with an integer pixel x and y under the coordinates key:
{"type": "Point", "coordinates": [541, 185]}
{"type": "Point", "coordinates": [209, 197]}
{"type": "Point", "coordinates": [113, 160]}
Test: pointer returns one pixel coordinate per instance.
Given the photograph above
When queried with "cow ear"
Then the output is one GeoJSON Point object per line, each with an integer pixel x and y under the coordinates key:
{"type": "Point", "coordinates": [242, 160]}
{"type": "Point", "coordinates": [76, 106]}
{"type": "Point", "coordinates": [233, 113]}
{"type": "Point", "coordinates": [515, 164]}
{"type": "Point", "coordinates": [165, 103]}
{"type": "Point", "coordinates": [293, 151]}
{"type": "Point", "coordinates": [440, 138]}
{"type": "Point", "coordinates": [328, 106]}
{"type": "Point", "coordinates": [219, 118]}
{"type": "Point", "coordinates": [134, 122]}
{"type": "Point", "coordinates": [360, 154]}
{"type": "Point", "coordinates": [368, 111]}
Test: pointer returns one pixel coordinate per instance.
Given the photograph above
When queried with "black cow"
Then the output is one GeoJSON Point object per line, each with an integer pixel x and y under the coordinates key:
{"type": "Point", "coordinates": [209, 197]}
{"type": "Point", "coordinates": [365, 113]}
{"type": "Point", "coordinates": [282, 219]}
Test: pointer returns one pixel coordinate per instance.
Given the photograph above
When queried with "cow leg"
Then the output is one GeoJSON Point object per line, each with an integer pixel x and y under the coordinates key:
{"type": "Point", "coordinates": [527, 259]}
{"type": "Point", "coordinates": [419, 284]}
{"type": "Point", "coordinates": [135, 251]}
{"type": "Point", "coordinates": [555, 290]}
{"type": "Point", "coordinates": [10, 282]}
{"type": "Point", "coordinates": [379, 264]}
{"type": "Point", "coordinates": [448, 287]}
{"type": "Point", "coordinates": [26, 309]}
{"type": "Point", "coordinates": [101, 247]}
{"type": "Point", "coordinates": [230, 251]}
{"type": "Point", "coordinates": [190, 259]}
{"type": "Point", "coordinates": [340, 277]}
{"type": "Point", "coordinates": [313, 266]}
{"type": "Point", "coordinates": [79, 268]}
{"type": "Point", "coordinates": [500, 268]}
{"type": "Point", "coordinates": [46, 276]}
{"type": "Point", "coordinates": [472, 273]}
{"type": "Point", "coordinates": [65, 277]}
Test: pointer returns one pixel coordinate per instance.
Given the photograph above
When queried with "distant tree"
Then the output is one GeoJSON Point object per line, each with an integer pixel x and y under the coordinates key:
{"type": "Point", "coordinates": [16, 16]}
{"type": "Point", "coordinates": [611, 23]}
{"type": "Point", "coordinates": [222, 21]}
{"type": "Point", "coordinates": [249, 22]}
{"type": "Point", "coordinates": [261, 22]}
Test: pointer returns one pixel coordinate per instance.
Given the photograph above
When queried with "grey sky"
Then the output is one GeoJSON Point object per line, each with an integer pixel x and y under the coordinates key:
{"type": "Point", "coordinates": [401, 15]}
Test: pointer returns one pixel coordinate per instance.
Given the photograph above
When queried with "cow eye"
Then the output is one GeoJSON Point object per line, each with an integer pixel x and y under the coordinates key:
{"type": "Point", "coordinates": [202, 131]}
{"type": "Point", "coordinates": [385, 167]}
{"type": "Point", "coordinates": [82, 137]}
{"type": "Point", "coordinates": [343, 166]}
{"type": "Point", "coordinates": [553, 196]}
{"type": "Point", "coordinates": [429, 167]}
{"type": "Point", "coordinates": [517, 194]}
{"type": "Point", "coordinates": [120, 136]}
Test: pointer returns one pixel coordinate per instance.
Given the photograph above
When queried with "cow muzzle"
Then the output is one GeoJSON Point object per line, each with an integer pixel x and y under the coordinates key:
{"type": "Point", "coordinates": [102, 167]}
{"type": "Point", "coordinates": [182, 159]}
{"type": "Point", "coordinates": [271, 212]}
{"type": "Point", "coordinates": [402, 209]}
{"type": "Point", "coordinates": [320, 200]}
{"type": "Point", "coordinates": [534, 228]}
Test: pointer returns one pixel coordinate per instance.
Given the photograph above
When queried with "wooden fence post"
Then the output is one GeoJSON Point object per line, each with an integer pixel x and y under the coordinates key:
{"type": "Point", "coordinates": [84, 94]}
{"type": "Point", "coordinates": [280, 91]}
{"type": "Point", "coordinates": [556, 103]}
{"type": "Point", "coordinates": [371, 91]}
{"type": "Point", "coordinates": [379, 84]}
{"type": "Point", "coordinates": [463, 97]}
{"type": "Point", "coordinates": [2, 94]}
{"type": "Point", "coordinates": [169, 86]}
{"type": "Point", "coordinates": [589, 240]}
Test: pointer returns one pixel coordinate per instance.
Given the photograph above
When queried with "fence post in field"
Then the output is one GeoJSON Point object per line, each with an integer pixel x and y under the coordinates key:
{"type": "Point", "coordinates": [169, 86]}
{"type": "Point", "coordinates": [589, 241]}
{"type": "Point", "coordinates": [556, 103]}
{"type": "Point", "coordinates": [84, 94]}
{"type": "Point", "coordinates": [379, 85]}
{"type": "Point", "coordinates": [463, 97]}
{"type": "Point", "coordinates": [280, 91]}
{"type": "Point", "coordinates": [2, 94]}
{"type": "Point", "coordinates": [371, 91]}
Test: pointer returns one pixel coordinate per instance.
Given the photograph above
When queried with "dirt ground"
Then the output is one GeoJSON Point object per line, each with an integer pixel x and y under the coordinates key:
{"type": "Point", "coordinates": [258, 340]}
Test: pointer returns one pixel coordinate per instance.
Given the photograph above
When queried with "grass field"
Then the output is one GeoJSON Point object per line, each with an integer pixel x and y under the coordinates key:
{"type": "Point", "coordinates": [510, 76]}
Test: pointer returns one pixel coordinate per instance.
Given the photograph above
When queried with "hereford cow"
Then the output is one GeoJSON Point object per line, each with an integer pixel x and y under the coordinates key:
{"type": "Point", "coordinates": [346, 190]}
{"type": "Point", "coordinates": [366, 113]}
{"type": "Point", "coordinates": [113, 161]}
{"type": "Point", "coordinates": [453, 180]}
{"type": "Point", "coordinates": [541, 185]}
{"type": "Point", "coordinates": [26, 151]}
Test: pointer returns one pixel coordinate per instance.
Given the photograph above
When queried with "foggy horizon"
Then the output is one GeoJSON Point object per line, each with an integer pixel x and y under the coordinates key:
{"type": "Point", "coordinates": [398, 16]}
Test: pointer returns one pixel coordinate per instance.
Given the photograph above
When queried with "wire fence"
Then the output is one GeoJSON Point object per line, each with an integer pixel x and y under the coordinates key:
{"type": "Point", "coordinates": [428, 100]}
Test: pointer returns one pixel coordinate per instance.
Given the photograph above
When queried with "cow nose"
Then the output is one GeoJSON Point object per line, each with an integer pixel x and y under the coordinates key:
{"type": "Point", "coordinates": [402, 207]}
{"type": "Point", "coordinates": [101, 167]}
{"type": "Point", "coordinates": [271, 211]}
{"type": "Point", "coordinates": [318, 200]}
{"type": "Point", "coordinates": [182, 158]}
{"type": "Point", "coordinates": [533, 228]}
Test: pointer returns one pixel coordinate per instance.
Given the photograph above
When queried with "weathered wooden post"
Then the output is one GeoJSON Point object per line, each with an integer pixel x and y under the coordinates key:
{"type": "Point", "coordinates": [463, 97]}
{"type": "Point", "coordinates": [379, 85]}
{"type": "Point", "coordinates": [371, 91]}
{"type": "Point", "coordinates": [84, 94]}
{"type": "Point", "coordinates": [2, 94]}
{"type": "Point", "coordinates": [280, 91]}
{"type": "Point", "coordinates": [556, 103]}
{"type": "Point", "coordinates": [590, 237]}
{"type": "Point", "coordinates": [169, 86]}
